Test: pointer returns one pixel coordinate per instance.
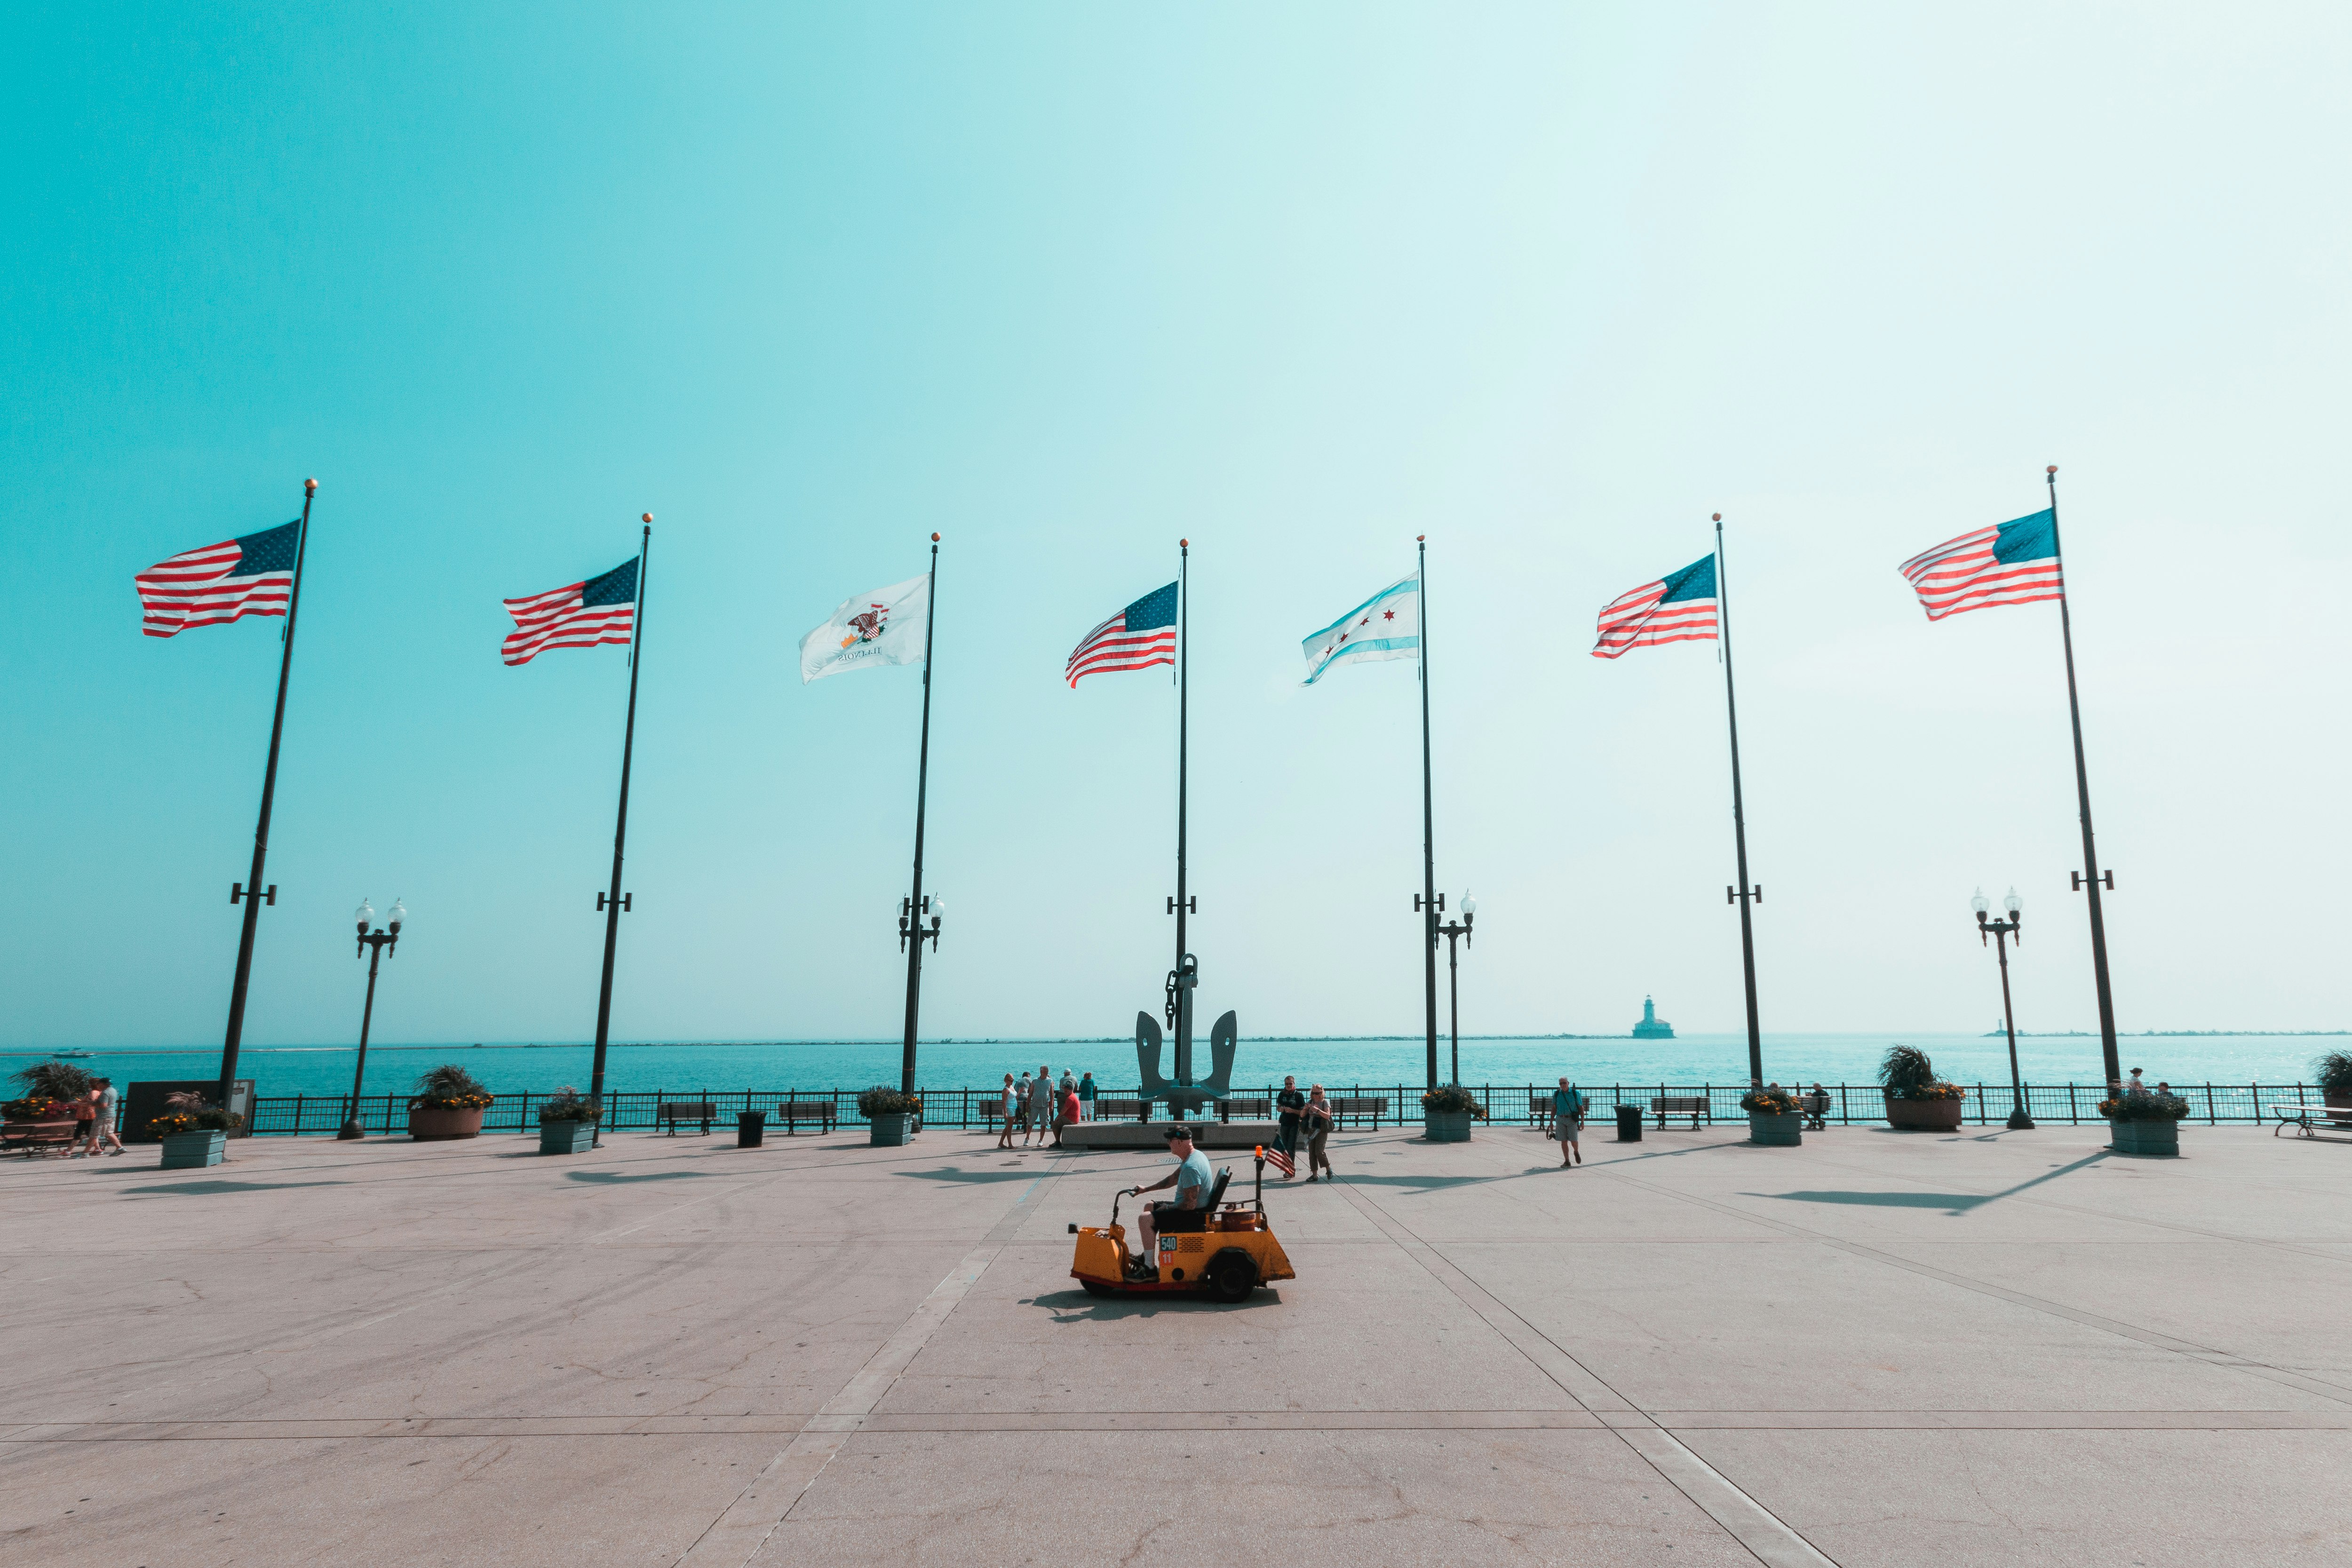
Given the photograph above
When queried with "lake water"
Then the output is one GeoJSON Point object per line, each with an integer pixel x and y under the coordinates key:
{"type": "Point", "coordinates": [685, 1068]}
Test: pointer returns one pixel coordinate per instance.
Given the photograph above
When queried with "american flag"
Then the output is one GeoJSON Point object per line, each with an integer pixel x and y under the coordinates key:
{"type": "Point", "coordinates": [579, 615]}
{"type": "Point", "coordinates": [1278, 1159]}
{"type": "Point", "coordinates": [1138, 637]}
{"type": "Point", "coordinates": [1678, 607]}
{"type": "Point", "coordinates": [209, 587]}
{"type": "Point", "coordinates": [2014, 563]}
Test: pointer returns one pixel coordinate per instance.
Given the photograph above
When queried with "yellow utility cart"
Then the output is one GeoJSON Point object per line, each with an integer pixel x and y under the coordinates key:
{"type": "Point", "coordinates": [1227, 1249]}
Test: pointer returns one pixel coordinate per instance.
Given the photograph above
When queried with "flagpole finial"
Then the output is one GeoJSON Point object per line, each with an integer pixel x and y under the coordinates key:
{"type": "Point", "coordinates": [309, 486]}
{"type": "Point", "coordinates": [1421, 538]}
{"type": "Point", "coordinates": [935, 538]}
{"type": "Point", "coordinates": [1719, 517]}
{"type": "Point", "coordinates": [2051, 470]}
{"type": "Point", "coordinates": [649, 518]}
{"type": "Point", "coordinates": [1183, 545]}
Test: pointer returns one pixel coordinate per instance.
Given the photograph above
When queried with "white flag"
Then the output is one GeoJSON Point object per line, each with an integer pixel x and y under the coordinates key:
{"type": "Point", "coordinates": [885, 626]}
{"type": "Point", "coordinates": [1386, 626]}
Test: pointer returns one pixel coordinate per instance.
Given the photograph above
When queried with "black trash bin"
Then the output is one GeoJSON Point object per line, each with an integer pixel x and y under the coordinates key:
{"type": "Point", "coordinates": [751, 1129]}
{"type": "Point", "coordinates": [1629, 1124]}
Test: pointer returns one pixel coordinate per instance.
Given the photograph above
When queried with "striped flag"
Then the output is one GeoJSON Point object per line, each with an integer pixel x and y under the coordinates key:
{"type": "Point", "coordinates": [1138, 637]}
{"type": "Point", "coordinates": [253, 575]}
{"type": "Point", "coordinates": [578, 614]}
{"type": "Point", "coordinates": [2014, 563]}
{"type": "Point", "coordinates": [1278, 1159]}
{"type": "Point", "coordinates": [1386, 626]}
{"type": "Point", "coordinates": [1678, 607]}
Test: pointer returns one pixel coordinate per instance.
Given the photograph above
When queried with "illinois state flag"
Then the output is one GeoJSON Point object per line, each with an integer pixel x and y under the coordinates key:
{"type": "Point", "coordinates": [885, 626]}
{"type": "Point", "coordinates": [1386, 626]}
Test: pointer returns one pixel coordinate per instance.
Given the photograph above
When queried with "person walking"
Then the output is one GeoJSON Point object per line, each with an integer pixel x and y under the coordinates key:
{"type": "Point", "coordinates": [103, 1128]}
{"type": "Point", "coordinates": [1317, 1120]}
{"type": "Point", "coordinates": [1290, 1102]}
{"type": "Point", "coordinates": [1008, 1106]}
{"type": "Point", "coordinates": [1567, 1121]}
{"type": "Point", "coordinates": [1086, 1096]}
{"type": "Point", "coordinates": [1041, 1101]}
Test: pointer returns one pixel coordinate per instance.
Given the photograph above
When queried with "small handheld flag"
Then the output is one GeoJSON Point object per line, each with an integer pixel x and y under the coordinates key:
{"type": "Point", "coordinates": [1677, 608]}
{"type": "Point", "coordinates": [2014, 563]}
{"type": "Point", "coordinates": [1274, 1156]}
{"type": "Point", "coordinates": [1386, 626]}
{"type": "Point", "coordinates": [1138, 637]}
{"type": "Point", "coordinates": [578, 614]}
{"type": "Point", "coordinates": [251, 576]}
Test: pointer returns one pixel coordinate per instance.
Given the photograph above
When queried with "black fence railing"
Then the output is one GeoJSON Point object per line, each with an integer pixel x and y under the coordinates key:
{"type": "Point", "coordinates": [1385, 1103]}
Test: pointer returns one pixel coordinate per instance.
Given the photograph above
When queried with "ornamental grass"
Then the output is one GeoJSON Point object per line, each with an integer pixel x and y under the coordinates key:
{"type": "Point", "coordinates": [1906, 1073]}
{"type": "Point", "coordinates": [568, 1104]}
{"type": "Point", "coordinates": [449, 1088]}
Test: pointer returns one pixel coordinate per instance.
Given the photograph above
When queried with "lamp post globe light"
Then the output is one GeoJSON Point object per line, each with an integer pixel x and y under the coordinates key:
{"type": "Point", "coordinates": [2003, 933]}
{"type": "Point", "coordinates": [1450, 930]}
{"type": "Point", "coordinates": [372, 943]}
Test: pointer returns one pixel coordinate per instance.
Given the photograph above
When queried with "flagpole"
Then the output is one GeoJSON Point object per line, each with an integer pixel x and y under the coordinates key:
{"type": "Point", "coordinates": [252, 895]}
{"type": "Point", "coordinates": [1428, 821]}
{"type": "Point", "coordinates": [1182, 1022]}
{"type": "Point", "coordinates": [915, 908]}
{"type": "Point", "coordinates": [2083, 794]}
{"type": "Point", "coordinates": [1746, 895]}
{"type": "Point", "coordinates": [611, 899]}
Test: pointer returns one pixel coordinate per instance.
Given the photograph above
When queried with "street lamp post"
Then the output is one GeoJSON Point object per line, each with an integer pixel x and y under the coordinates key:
{"type": "Point", "coordinates": [1449, 930]}
{"type": "Point", "coordinates": [2003, 933]}
{"type": "Point", "coordinates": [910, 923]}
{"type": "Point", "coordinates": [373, 944]}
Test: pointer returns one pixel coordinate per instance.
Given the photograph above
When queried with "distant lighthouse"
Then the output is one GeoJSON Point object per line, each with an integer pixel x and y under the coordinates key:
{"type": "Point", "coordinates": [1652, 1026]}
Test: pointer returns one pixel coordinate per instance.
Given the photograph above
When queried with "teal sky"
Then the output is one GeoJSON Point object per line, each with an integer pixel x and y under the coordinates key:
{"type": "Point", "coordinates": [1547, 284]}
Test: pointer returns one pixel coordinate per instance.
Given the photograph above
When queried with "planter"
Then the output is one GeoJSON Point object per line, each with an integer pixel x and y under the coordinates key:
{"type": "Point", "coordinates": [192, 1151]}
{"type": "Point", "coordinates": [427, 1124]}
{"type": "Point", "coordinates": [2337, 1098]}
{"type": "Point", "coordinates": [1782, 1130]}
{"type": "Point", "coordinates": [2144, 1137]}
{"type": "Point", "coordinates": [1925, 1115]}
{"type": "Point", "coordinates": [888, 1129]}
{"type": "Point", "coordinates": [560, 1137]}
{"type": "Point", "coordinates": [1447, 1126]}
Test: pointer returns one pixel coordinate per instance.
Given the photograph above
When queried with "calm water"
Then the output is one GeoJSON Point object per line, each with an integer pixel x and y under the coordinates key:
{"type": "Point", "coordinates": [957, 1064]}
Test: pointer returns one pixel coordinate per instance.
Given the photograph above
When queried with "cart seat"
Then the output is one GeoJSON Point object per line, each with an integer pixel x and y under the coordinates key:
{"type": "Point", "coordinates": [1173, 1222]}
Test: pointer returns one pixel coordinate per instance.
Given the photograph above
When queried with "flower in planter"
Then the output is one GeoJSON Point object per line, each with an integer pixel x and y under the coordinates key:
{"type": "Point", "coordinates": [31, 1108]}
{"type": "Point", "coordinates": [568, 1104]}
{"type": "Point", "coordinates": [1452, 1097]}
{"type": "Point", "coordinates": [1906, 1073]}
{"type": "Point", "coordinates": [2144, 1108]}
{"type": "Point", "coordinates": [186, 1111]}
{"type": "Point", "coordinates": [450, 1088]}
{"type": "Point", "coordinates": [884, 1100]}
{"type": "Point", "coordinates": [1770, 1100]}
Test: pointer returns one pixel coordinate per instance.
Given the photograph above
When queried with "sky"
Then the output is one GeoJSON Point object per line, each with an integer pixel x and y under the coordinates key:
{"type": "Point", "coordinates": [1550, 285]}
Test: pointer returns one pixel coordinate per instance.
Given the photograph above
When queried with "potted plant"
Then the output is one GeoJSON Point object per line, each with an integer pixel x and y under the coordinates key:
{"type": "Point", "coordinates": [2334, 1071]}
{"type": "Point", "coordinates": [567, 1122]}
{"type": "Point", "coordinates": [1917, 1099]}
{"type": "Point", "coordinates": [1773, 1116]}
{"type": "Point", "coordinates": [194, 1131]}
{"type": "Point", "coordinates": [46, 1113]}
{"type": "Point", "coordinates": [1446, 1112]}
{"type": "Point", "coordinates": [2145, 1123]}
{"type": "Point", "coordinates": [891, 1114]}
{"type": "Point", "coordinates": [448, 1103]}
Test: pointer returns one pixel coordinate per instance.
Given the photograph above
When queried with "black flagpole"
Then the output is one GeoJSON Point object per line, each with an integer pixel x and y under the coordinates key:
{"type": "Point", "coordinates": [915, 905]}
{"type": "Point", "coordinates": [1428, 821]}
{"type": "Point", "coordinates": [1182, 1022]}
{"type": "Point", "coordinates": [251, 894]}
{"type": "Point", "coordinates": [2083, 792]}
{"type": "Point", "coordinates": [1745, 895]}
{"type": "Point", "coordinates": [611, 903]}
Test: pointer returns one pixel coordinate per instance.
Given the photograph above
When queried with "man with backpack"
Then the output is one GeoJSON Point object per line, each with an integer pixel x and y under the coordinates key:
{"type": "Point", "coordinates": [1567, 1120]}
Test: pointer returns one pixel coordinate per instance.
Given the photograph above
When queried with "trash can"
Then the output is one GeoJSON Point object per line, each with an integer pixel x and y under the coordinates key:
{"type": "Point", "coordinates": [751, 1129]}
{"type": "Point", "coordinates": [1629, 1124]}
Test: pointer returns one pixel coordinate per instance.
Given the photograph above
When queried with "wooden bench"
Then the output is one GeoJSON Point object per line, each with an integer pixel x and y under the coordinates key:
{"type": "Point", "coordinates": [792, 1112]}
{"type": "Point", "coordinates": [1370, 1107]}
{"type": "Point", "coordinates": [1245, 1109]}
{"type": "Point", "coordinates": [1694, 1106]}
{"type": "Point", "coordinates": [33, 1138]}
{"type": "Point", "coordinates": [1122, 1110]}
{"type": "Point", "coordinates": [670, 1112]}
{"type": "Point", "coordinates": [2312, 1121]}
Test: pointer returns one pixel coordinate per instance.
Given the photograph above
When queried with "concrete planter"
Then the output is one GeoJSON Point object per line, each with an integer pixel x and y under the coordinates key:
{"type": "Point", "coordinates": [566, 1137]}
{"type": "Point", "coordinates": [2337, 1098]}
{"type": "Point", "coordinates": [1925, 1115]}
{"type": "Point", "coordinates": [1779, 1130]}
{"type": "Point", "coordinates": [2144, 1137]}
{"type": "Point", "coordinates": [1447, 1126]}
{"type": "Point", "coordinates": [427, 1124]}
{"type": "Point", "coordinates": [888, 1129]}
{"type": "Point", "coordinates": [194, 1151]}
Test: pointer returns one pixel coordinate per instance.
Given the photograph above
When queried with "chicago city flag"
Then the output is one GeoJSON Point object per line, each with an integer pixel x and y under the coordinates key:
{"type": "Point", "coordinates": [2012, 562]}
{"type": "Point", "coordinates": [1386, 626]}
{"type": "Point", "coordinates": [253, 575]}
{"type": "Point", "coordinates": [885, 626]}
{"type": "Point", "coordinates": [1678, 607]}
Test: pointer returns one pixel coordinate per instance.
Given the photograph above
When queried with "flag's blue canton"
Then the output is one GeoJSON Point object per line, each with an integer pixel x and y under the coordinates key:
{"type": "Point", "coordinates": [618, 587]}
{"type": "Point", "coordinates": [271, 549]}
{"type": "Point", "coordinates": [2033, 537]}
{"type": "Point", "coordinates": [1157, 608]}
{"type": "Point", "coordinates": [1696, 581]}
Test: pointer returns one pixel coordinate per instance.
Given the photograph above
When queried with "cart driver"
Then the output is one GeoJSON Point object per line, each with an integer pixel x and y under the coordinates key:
{"type": "Point", "coordinates": [1189, 1178]}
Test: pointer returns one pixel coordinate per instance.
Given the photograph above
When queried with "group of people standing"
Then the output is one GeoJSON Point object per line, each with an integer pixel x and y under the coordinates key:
{"type": "Point", "coordinates": [1040, 1106]}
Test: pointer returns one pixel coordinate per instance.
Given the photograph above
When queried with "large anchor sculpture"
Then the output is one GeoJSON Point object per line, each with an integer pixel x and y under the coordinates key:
{"type": "Point", "coordinates": [1183, 1096]}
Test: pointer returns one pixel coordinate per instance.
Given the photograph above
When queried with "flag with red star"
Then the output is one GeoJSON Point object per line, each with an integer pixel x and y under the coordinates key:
{"type": "Point", "coordinates": [1386, 626]}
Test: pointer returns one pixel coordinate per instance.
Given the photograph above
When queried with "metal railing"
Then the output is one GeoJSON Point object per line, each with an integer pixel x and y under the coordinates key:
{"type": "Point", "coordinates": [1509, 1105]}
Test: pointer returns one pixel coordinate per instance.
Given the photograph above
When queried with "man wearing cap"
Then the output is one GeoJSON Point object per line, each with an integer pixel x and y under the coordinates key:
{"type": "Point", "coordinates": [1191, 1179]}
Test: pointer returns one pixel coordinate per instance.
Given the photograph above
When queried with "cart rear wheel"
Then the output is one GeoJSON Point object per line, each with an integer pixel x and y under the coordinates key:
{"type": "Point", "coordinates": [1233, 1277]}
{"type": "Point", "coordinates": [1096, 1287]}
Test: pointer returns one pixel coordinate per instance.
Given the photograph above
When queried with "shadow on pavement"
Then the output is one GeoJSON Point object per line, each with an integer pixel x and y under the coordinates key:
{"type": "Point", "coordinates": [617, 1178]}
{"type": "Point", "coordinates": [220, 1186]}
{"type": "Point", "coordinates": [1950, 1203]}
{"type": "Point", "coordinates": [1077, 1305]}
{"type": "Point", "coordinates": [951, 1174]}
